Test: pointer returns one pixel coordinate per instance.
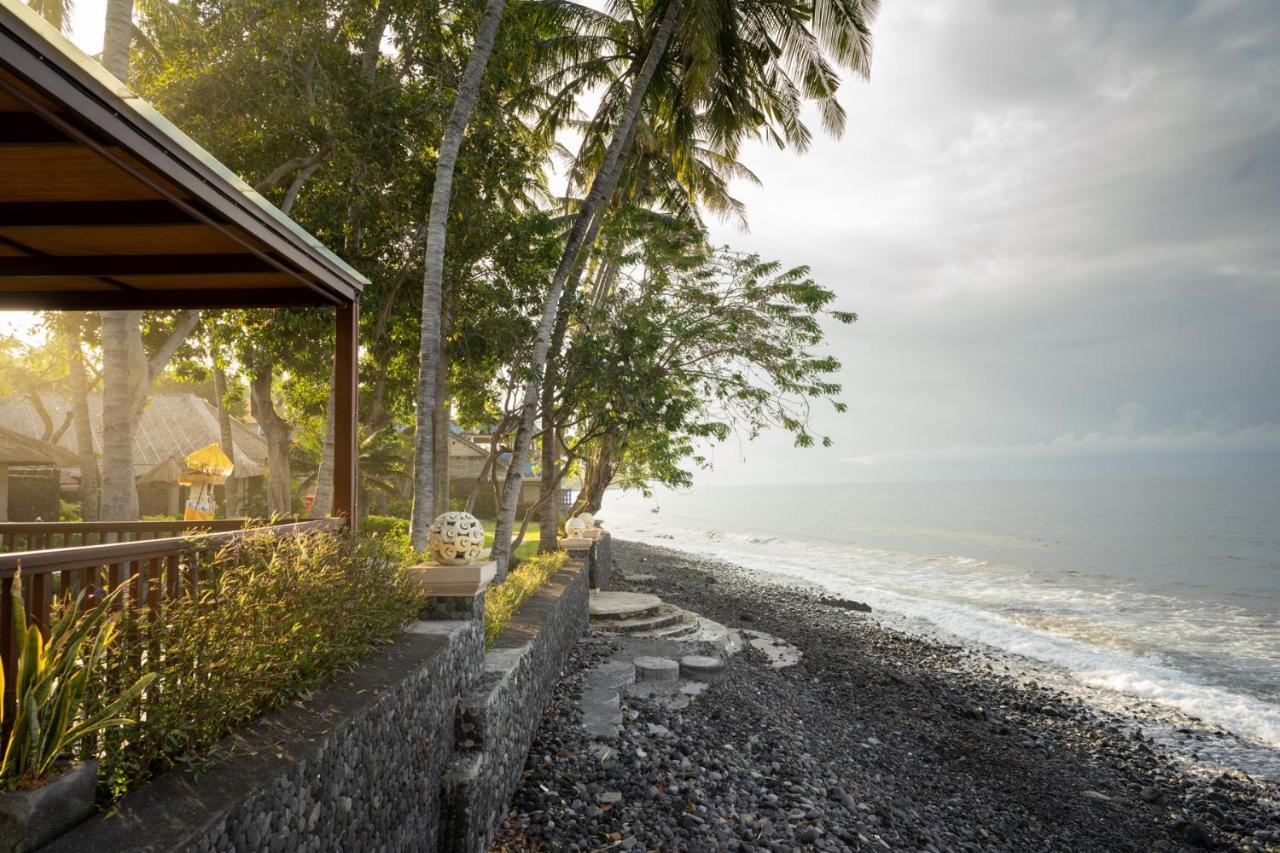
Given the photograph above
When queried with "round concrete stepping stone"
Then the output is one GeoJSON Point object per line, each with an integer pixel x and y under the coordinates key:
{"type": "Point", "coordinates": [623, 605]}
{"type": "Point", "coordinates": [701, 667]}
{"type": "Point", "coordinates": [656, 669]}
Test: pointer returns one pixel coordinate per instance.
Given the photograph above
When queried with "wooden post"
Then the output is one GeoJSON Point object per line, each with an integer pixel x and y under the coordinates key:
{"type": "Point", "coordinates": [345, 453]}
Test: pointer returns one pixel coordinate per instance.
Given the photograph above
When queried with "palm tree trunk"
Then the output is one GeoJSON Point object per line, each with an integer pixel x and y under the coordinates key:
{"type": "Point", "coordinates": [89, 489]}
{"type": "Point", "coordinates": [548, 539]}
{"type": "Point", "coordinates": [232, 489]}
{"type": "Point", "coordinates": [276, 430]}
{"type": "Point", "coordinates": [322, 503]}
{"type": "Point", "coordinates": [116, 37]}
{"type": "Point", "coordinates": [602, 188]}
{"type": "Point", "coordinates": [440, 439]}
{"type": "Point", "coordinates": [119, 498]}
{"type": "Point", "coordinates": [437, 231]}
{"type": "Point", "coordinates": [549, 519]}
{"type": "Point", "coordinates": [119, 494]}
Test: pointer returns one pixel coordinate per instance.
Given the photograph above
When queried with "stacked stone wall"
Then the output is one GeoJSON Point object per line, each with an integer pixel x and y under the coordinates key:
{"type": "Point", "coordinates": [497, 721]}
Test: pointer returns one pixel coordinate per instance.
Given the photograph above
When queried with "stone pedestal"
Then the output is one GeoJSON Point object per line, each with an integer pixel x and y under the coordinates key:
{"type": "Point", "coordinates": [454, 592]}
{"type": "Point", "coordinates": [592, 549]}
{"type": "Point", "coordinates": [577, 547]}
{"type": "Point", "coordinates": [31, 819]}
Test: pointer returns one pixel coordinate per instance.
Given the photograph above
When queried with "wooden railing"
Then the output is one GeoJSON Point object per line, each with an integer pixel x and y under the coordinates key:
{"type": "Point", "coordinates": [42, 535]}
{"type": "Point", "coordinates": [153, 569]}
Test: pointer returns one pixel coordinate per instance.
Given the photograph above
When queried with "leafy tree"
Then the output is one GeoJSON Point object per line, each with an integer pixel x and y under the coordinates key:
{"type": "Point", "coordinates": [689, 356]}
{"type": "Point", "coordinates": [751, 64]}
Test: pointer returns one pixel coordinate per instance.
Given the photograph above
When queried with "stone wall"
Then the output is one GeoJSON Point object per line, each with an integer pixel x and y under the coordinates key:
{"type": "Point", "coordinates": [602, 562]}
{"type": "Point", "coordinates": [357, 767]}
{"type": "Point", "coordinates": [497, 721]}
{"type": "Point", "coordinates": [596, 551]}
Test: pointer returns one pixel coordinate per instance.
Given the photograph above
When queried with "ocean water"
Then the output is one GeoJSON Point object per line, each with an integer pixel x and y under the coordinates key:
{"type": "Point", "coordinates": [1160, 593]}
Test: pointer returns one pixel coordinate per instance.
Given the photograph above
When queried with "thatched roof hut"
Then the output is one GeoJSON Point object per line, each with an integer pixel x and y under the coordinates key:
{"type": "Point", "coordinates": [20, 450]}
{"type": "Point", "coordinates": [171, 426]}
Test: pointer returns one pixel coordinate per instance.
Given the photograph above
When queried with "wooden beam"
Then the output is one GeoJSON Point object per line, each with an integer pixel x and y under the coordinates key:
{"type": "Point", "coordinates": [81, 214]}
{"type": "Point", "coordinates": [346, 456]}
{"type": "Point", "coordinates": [112, 300]}
{"type": "Point", "coordinates": [202, 190]}
{"type": "Point", "coordinates": [122, 265]}
{"type": "Point", "coordinates": [26, 128]}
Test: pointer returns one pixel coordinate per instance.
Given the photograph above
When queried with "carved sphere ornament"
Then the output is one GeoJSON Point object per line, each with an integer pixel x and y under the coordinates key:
{"type": "Point", "coordinates": [577, 527]}
{"type": "Point", "coordinates": [455, 539]}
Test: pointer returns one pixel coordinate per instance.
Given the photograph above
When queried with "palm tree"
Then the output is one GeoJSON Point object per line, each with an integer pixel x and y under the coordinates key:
{"type": "Point", "coordinates": [666, 168]}
{"type": "Point", "coordinates": [117, 35]}
{"type": "Point", "coordinates": [127, 370]}
{"type": "Point", "coordinates": [119, 497]}
{"type": "Point", "coordinates": [56, 12]}
{"type": "Point", "coordinates": [751, 63]}
{"type": "Point", "coordinates": [433, 277]}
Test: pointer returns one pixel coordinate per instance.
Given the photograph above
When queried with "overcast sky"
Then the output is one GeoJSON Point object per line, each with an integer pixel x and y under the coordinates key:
{"type": "Point", "coordinates": [1060, 226]}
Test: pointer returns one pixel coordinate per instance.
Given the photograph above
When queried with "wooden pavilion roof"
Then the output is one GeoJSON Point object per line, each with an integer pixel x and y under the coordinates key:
{"type": "Point", "coordinates": [105, 204]}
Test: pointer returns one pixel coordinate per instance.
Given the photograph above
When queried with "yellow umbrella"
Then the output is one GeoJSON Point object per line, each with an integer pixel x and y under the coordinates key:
{"type": "Point", "coordinates": [205, 466]}
{"type": "Point", "coordinates": [210, 461]}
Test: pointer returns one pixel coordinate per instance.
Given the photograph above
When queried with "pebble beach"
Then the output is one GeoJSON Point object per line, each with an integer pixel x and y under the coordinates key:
{"type": "Point", "coordinates": [875, 740]}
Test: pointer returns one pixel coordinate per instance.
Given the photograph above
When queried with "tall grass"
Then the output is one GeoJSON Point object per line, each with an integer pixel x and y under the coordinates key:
{"type": "Point", "coordinates": [503, 600]}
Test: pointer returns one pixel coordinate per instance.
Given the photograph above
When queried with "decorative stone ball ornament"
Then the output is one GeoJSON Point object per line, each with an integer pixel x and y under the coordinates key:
{"type": "Point", "coordinates": [577, 527]}
{"type": "Point", "coordinates": [455, 539]}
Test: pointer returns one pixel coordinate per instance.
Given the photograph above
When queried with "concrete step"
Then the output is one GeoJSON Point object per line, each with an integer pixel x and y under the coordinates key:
{"type": "Point", "coordinates": [649, 669]}
{"type": "Point", "coordinates": [616, 606]}
{"type": "Point", "coordinates": [666, 615]}
{"type": "Point", "coordinates": [701, 667]}
{"type": "Point", "coordinates": [687, 626]}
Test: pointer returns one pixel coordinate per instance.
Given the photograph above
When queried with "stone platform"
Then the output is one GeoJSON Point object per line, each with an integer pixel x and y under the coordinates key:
{"type": "Point", "coordinates": [623, 605]}
{"type": "Point", "coordinates": [638, 614]}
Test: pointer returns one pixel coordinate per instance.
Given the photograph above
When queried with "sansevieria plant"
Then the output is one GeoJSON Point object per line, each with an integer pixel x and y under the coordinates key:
{"type": "Point", "coordinates": [53, 676]}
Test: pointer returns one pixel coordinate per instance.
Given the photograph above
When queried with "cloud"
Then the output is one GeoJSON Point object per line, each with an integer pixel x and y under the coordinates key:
{"type": "Point", "coordinates": [1069, 209]}
{"type": "Point", "coordinates": [1197, 437]}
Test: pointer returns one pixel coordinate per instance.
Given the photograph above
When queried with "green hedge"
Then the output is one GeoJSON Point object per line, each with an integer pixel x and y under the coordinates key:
{"type": "Point", "coordinates": [284, 616]}
{"type": "Point", "coordinates": [385, 527]}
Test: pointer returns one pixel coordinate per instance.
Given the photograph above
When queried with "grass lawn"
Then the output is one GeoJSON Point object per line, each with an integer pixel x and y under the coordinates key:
{"type": "Point", "coordinates": [528, 548]}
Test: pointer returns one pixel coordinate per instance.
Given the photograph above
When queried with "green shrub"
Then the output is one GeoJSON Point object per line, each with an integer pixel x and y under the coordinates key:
{"type": "Point", "coordinates": [68, 510]}
{"type": "Point", "coordinates": [384, 526]}
{"type": "Point", "coordinates": [503, 600]}
{"type": "Point", "coordinates": [55, 669]}
{"type": "Point", "coordinates": [282, 616]}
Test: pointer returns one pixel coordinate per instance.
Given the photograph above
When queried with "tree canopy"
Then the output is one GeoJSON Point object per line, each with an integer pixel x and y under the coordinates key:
{"type": "Point", "coordinates": [594, 323]}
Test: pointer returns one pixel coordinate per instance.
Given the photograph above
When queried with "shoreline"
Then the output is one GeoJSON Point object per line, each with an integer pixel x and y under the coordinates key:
{"type": "Point", "coordinates": [1206, 745]}
{"type": "Point", "coordinates": [876, 740]}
